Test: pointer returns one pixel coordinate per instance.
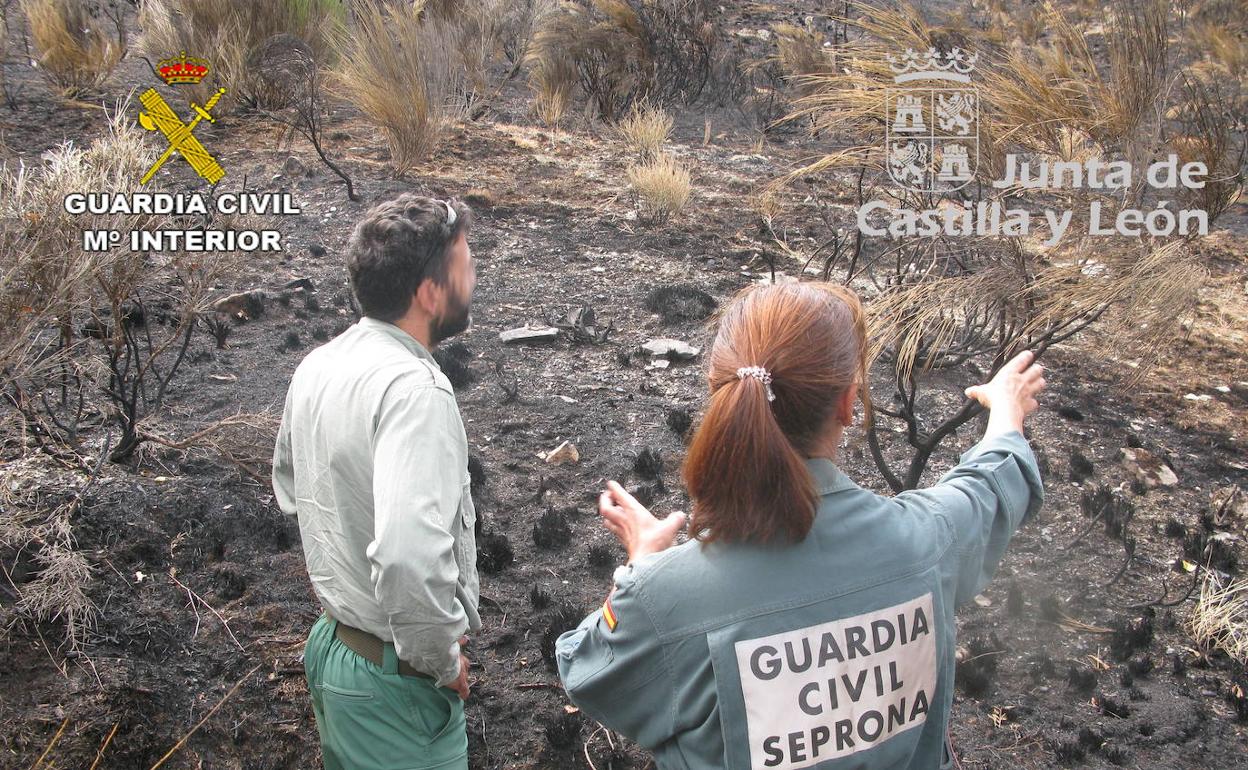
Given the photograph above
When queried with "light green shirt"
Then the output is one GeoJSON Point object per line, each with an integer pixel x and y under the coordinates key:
{"type": "Point", "coordinates": [372, 458]}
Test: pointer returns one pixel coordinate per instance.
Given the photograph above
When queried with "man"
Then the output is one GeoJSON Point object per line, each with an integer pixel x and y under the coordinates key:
{"type": "Point", "coordinates": [373, 459]}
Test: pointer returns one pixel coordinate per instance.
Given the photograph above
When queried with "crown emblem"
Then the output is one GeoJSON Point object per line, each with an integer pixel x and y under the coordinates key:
{"type": "Point", "coordinates": [933, 65]}
{"type": "Point", "coordinates": [182, 69]}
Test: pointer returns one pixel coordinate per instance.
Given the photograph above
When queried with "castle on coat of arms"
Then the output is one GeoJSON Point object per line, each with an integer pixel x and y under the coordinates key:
{"type": "Point", "coordinates": [932, 136]}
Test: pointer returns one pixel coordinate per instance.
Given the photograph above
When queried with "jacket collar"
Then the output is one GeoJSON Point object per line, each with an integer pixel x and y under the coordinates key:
{"type": "Point", "coordinates": [402, 337]}
{"type": "Point", "coordinates": [828, 478]}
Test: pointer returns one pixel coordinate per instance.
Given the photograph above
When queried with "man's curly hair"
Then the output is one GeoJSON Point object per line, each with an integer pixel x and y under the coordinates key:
{"type": "Point", "coordinates": [397, 245]}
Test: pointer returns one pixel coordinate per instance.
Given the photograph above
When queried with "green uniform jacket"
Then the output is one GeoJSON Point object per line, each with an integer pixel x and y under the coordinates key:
{"type": "Point", "coordinates": [834, 653]}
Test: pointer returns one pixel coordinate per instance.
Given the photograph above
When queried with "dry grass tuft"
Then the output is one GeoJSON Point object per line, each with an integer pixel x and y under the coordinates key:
{"type": "Point", "coordinates": [1219, 621]}
{"type": "Point", "coordinates": [645, 129]}
{"type": "Point", "coordinates": [58, 591]}
{"type": "Point", "coordinates": [662, 186]}
{"type": "Point", "coordinates": [395, 69]}
{"type": "Point", "coordinates": [228, 33]}
{"type": "Point", "coordinates": [78, 43]}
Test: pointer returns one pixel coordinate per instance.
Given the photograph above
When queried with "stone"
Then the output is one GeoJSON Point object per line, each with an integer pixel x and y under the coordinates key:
{"type": "Point", "coordinates": [564, 453]}
{"type": "Point", "coordinates": [1148, 468]}
{"type": "Point", "coordinates": [245, 305]}
{"type": "Point", "coordinates": [1228, 506]}
{"type": "Point", "coordinates": [529, 334]}
{"type": "Point", "coordinates": [671, 349]}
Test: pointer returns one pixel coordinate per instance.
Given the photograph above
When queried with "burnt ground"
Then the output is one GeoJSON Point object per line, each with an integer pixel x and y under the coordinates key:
{"type": "Point", "coordinates": [1063, 666]}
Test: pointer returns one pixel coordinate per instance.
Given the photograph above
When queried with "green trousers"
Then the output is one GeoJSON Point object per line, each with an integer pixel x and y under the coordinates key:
{"type": "Point", "coordinates": [371, 717]}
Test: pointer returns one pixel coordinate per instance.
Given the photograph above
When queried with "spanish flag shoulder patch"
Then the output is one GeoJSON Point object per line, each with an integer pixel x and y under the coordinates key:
{"type": "Point", "coordinates": [608, 614]}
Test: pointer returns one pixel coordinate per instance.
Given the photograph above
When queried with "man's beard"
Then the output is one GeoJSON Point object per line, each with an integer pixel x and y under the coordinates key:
{"type": "Point", "coordinates": [457, 318]}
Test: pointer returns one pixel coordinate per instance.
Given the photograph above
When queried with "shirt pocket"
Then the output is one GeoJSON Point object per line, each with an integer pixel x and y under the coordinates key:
{"type": "Point", "coordinates": [466, 538]}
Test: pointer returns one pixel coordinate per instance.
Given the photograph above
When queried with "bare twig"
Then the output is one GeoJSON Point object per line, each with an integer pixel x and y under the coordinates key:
{"type": "Point", "coordinates": [100, 754]}
{"type": "Point", "coordinates": [51, 743]}
{"type": "Point", "coordinates": [194, 597]}
{"type": "Point", "coordinates": [182, 741]}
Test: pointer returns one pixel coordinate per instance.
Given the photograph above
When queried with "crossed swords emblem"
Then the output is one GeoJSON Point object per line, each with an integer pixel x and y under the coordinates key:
{"type": "Point", "coordinates": [160, 115]}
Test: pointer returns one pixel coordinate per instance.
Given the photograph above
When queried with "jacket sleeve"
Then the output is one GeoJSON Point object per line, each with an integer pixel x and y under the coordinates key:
{"type": "Point", "coordinates": [418, 467]}
{"type": "Point", "coordinates": [984, 499]}
{"type": "Point", "coordinates": [284, 465]}
{"type": "Point", "coordinates": [619, 675]}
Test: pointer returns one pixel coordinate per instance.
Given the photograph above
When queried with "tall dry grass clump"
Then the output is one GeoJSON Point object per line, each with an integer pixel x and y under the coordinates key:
{"type": "Point", "coordinates": [78, 43]}
{"type": "Point", "coordinates": [1219, 621]}
{"type": "Point", "coordinates": [228, 33]}
{"type": "Point", "coordinates": [614, 52]}
{"type": "Point", "coordinates": [645, 129]}
{"type": "Point", "coordinates": [662, 186]}
{"type": "Point", "coordinates": [393, 66]}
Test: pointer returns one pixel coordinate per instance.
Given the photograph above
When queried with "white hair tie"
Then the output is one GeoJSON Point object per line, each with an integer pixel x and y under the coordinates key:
{"type": "Point", "coordinates": [451, 216]}
{"type": "Point", "coordinates": [760, 374]}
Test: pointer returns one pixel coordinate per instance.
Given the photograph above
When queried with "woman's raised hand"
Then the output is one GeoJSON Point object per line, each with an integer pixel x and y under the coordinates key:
{"type": "Point", "coordinates": [636, 528]}
{"type": "Point", "coordinates": [1011, 393]}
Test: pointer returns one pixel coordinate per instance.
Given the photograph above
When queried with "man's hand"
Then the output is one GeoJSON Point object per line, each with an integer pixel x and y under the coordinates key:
{"type": "Point", "coordinates": [1011, 393]}
{"type": "Point", "coordinates": [636, 528]}
{"type": "Point", "coordinates": [460, 685]}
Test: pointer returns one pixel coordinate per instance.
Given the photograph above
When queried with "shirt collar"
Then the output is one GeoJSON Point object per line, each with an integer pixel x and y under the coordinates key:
{"type": "Point", "coordinates": [403, 338]}
{"type": "Point", "coordinates": [828, 478]}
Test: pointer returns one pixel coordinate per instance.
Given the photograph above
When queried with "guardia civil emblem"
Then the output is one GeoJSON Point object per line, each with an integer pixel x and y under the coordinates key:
{"type": "Point", "coordinates": [932, 128]}
{"type": "Point", "coordinates": [157, 115]}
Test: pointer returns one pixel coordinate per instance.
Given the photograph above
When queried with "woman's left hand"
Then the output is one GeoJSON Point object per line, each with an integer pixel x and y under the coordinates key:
{"type": "Point", "coordinates": [636, 528]}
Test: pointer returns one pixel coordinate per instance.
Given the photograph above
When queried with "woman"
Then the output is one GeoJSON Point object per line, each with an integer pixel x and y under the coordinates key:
{"type": "Point", "coordinates": [808, 622]}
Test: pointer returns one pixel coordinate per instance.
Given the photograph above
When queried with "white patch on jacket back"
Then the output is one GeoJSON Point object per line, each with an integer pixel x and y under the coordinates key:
{"type": "Point", "coordinates": [830, 690]}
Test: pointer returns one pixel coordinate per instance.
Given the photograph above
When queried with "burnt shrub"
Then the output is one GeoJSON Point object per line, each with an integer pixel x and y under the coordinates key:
{"type": "Point", "coordinates": [539, 597]}
{"type": "Point", "coordinates": [494, 553]}
{"type": "Point", "coordinates": [1131, 635]}
{"type": "Point", "coordinates": [320, 333]}
{"type": "Point", "coordinates": [453, 360]}
{"type": "Point", "coordinates": [679, 420]}
{"type": "Point", "coordinates": [682, 302]}
{"type": "Point", "coordinates": [290, 341]}
{"type": "Point", "coordinates": [1111, 707]}
{"type": "Point", "coordinates": [1090, 738]}
{"type": "Point", "coordinates": [1014, 603]}
{"type": "Point", "coordinates": [1067, 751]}
{"type": "Point", "coordinates": [649, 464]}
{"type": "Point", "coordinates": [1175, 528]}
{"type": "Point", "coordinates": [219, 328]}
{"type": "Point", "coordinates": [976, 672]}
{"type": "Point", "coordinates": [562, 730]}
{"type": "Point", "coordinates": [1116, 755]}
{"type": "Point", "coordinates": [551, 531]}
{"type": "Point", "coordinates": [602, 559]}
{"type": "Point", "coordinates": [1081, 467]}
{"type": "Point", "coordinates": [564, 617]}
{"type": "Point", "coordinates": [477, 479]}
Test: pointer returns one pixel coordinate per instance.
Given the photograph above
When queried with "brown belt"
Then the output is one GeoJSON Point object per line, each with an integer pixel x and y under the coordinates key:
{"type": "Point", "coordinates": [369, 647]}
